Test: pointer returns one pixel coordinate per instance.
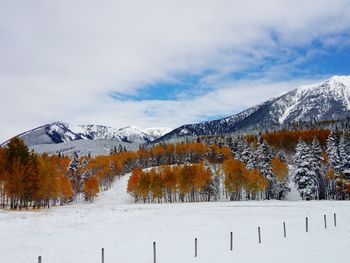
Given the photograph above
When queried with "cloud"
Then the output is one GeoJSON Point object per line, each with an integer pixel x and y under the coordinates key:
{"type": "Point", "coordinates": [60, 60]}
{"type": "Point", "coordinates": [223, 101]}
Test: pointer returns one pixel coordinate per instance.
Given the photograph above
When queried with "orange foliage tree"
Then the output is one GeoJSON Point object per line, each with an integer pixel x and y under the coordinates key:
{"type": "Point", "coordinates": [279, 169]}
{"type": "Point", "coordinates": [91, 188]}
{"type": "Point", "coordinates": [239, 180]}
{"type": "Point", "coordinates": [169, 184]}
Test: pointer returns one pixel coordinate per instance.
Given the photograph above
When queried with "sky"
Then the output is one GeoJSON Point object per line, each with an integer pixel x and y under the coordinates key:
{"type": "Point", "coordinates": [160, 63]}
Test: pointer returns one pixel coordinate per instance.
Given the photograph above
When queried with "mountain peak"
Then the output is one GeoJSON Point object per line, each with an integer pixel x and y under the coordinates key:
{"type": "Point", "coordinates": [335, 83]}
{"type": "Point", "coordinates": [327, 100]}
{"type": "Point", "coordinates": [340, 78]}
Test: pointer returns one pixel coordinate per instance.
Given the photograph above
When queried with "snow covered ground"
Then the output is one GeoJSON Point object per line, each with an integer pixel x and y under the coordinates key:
{"type": "Point", "coordinates": [76, 233]}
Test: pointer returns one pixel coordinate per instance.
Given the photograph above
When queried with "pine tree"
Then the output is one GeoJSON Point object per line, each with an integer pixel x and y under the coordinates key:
{"type": "Point", "coordinates": [252, 162]}
{"type": "Point", "coordinates": [264, 156]}
{"type": "Point", "coordinates": [245, 155]}
{"type": "Point", "coordinates": [316, 163]}
{"type": "Point", "coordinates": [239, 148]}
{"type": "Point", "coordinates": [343, 182]}
{"type": "Point", "coordinates": [74, 176]}
{"type": "Point", "coordinates": [299, 151]}
{"type": "Point", "coordinates": [211, 190]}
{"type": "Point", "coordinates": [333, 151]}
{"type": "Point", "coordinates": [305, 176]}
{"type": "Point", "coordinates": [344, 155]}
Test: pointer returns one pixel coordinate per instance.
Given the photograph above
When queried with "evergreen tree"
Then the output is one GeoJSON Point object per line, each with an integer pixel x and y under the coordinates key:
{"type": "Point", "coordinates": [343, 182]}
{"type": "Point", "coordinates": [74, 175]}
{"type": "Point", "coordinates": [264, 156]}
{"type": "Point", "coordinates": [344, 155]}
{"type": "Point", "coordinates": [333, 152]}
{"type": "Point", "coordinates": [252, 162]}
{"type": "Point", "coordinates": [299, 150]}
{"type": "Point", "coordinates": [211, 190]}
{"type": "Point", "coordinates": [241, 145]}
{"type": "Point", "coordinates": [245, 154]}
{"type": "Point", "coordinates": [83, 171]}
{"type": "Point", "coordinates": [316, 159]}
{"type": "Point", "coordinates": [305, 176]}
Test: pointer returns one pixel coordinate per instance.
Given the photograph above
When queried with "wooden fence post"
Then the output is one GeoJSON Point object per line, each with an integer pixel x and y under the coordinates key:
{"type": "Point", "coordinates": [307, 224]}
{"type": "Point", "coordinates": [195, 247]}
{"type": "Point", "coordinates": [154, 253]}
{"type": "Point", "coordinates": [335, 219]}
{"type": "Point", "coordinates": [103, 255]}
{"type": "Point", "coordinates": [325, 221]}
{"type": "Point", "coordinates": [39, 259]}
{"type": "Point", "coordinates": [259, 234]}
{"type": "Point", "coordinates": [284, 229]}
{"type": "Point", "coordinates": [231, 241]}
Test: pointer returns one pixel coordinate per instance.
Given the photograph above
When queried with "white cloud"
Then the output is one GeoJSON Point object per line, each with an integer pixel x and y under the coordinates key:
{"type": "Point", "coordinates": [224, 101]}
{"type": "Point", "coordinates": [59, 59]}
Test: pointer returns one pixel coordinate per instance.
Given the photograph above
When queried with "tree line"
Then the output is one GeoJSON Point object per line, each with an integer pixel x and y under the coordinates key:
{"type": "Point", "coordinates": [28, 179]}
{"type": "Point", "coordinates": [239, 167]}
{"type": "Point", "coordinates": [250, 172]}
{"type": "Point", "coordinates": [183, 183]}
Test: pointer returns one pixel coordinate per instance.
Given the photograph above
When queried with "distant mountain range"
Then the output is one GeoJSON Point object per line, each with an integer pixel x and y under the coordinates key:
{"type": "Point", "coordinates": [328, 100]}
{"type": "Point", "coordinates": [61, 132]}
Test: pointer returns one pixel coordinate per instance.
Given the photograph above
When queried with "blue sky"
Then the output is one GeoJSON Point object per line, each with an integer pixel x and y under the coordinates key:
{"type": "Point", "coordinates": [161, 63]}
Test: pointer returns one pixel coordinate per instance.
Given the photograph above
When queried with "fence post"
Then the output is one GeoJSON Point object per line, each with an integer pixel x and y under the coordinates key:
{"type": "Point", "coordinates": [103, 255]}
{"type": "Point", "coordinates": [195, 247]}
{"type": "Point", "coordinates": [154, 253]}
{"type": "Point", "coordinates": [259, 234]}
{"type": "Point", "coordinates": [231, 241]}
{"type": "Point", "coordinates": [335, 219]}
{"type": "Point", "coordinates": [307, 224]}
{"type": "Point", "coordinates": [39, 259]}
{"type": "Point", "coordinates": [284, 229]}
{"type": "Point", "coordinates": [325, 221]}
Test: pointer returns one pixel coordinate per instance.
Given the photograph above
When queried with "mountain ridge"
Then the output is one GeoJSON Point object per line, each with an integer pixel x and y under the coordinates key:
{"type": "Point", "coordinates": [61, 132]}
{"type": "Point", "coordinates": [321, 101]}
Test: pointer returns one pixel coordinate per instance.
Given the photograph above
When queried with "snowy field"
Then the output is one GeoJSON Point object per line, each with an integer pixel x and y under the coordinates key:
{"type": "Point", "coordinates": [76, 233]}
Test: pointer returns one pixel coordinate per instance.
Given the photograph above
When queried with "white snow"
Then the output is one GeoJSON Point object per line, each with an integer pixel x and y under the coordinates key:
{"type": "Point", "coordinates": [76, 233]}
{"type": "Point", "coordinates": [293, 195]}
{"type": "Point", "coordinates": [157, 132]}
{"type": "Point", "coordinates": [320, 96]}
{"type": "Point", "coordinates": [84, 147]}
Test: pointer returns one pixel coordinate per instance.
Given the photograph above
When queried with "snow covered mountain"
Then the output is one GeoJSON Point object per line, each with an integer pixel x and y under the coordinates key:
{"type": "Point", "coordinates": [328, 100]}
{"type": "Point", "coordinates": [61, 132]}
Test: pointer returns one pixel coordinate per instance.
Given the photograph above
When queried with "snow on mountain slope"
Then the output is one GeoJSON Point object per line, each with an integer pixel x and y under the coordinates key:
{"type": "Point", "coordinates": [323, 101]}
{"type": "Point", "coordinates": [61, 132]}
{"type": "Point", "coordinates": [156, 132]}
{"type": "Point", "coordinates": [77, 232]}
{"type": "Point", "coordinates": [327, 100]}
{"type": "Point", "coordinates": [84, 147]}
